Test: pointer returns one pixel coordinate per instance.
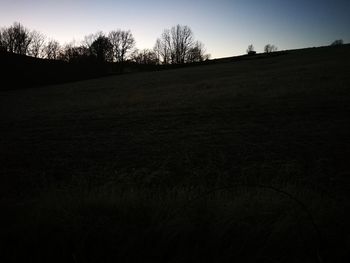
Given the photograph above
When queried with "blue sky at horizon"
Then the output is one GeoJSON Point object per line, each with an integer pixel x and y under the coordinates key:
{"type": "Point", "coordinates": [225, 27]}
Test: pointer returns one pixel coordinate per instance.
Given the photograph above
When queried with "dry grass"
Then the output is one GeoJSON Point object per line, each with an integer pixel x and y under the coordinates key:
{"type": "Point", "coordinates": [108, 169]}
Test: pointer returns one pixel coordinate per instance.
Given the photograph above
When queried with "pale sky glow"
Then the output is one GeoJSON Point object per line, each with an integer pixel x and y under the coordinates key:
{"type": "Point", "coordinates": [226, 27]}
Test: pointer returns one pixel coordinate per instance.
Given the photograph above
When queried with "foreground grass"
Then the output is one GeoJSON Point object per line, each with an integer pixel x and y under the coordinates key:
{"type": "Point", "coordinates": [244, 161]}
{"type": "Point", "coordinates": [250, 223]}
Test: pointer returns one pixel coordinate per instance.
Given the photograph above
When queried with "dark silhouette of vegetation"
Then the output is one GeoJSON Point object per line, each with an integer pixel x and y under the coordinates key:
{"type": "Point", "coordinates": [177, 46]}
{"type": "Point", "coordinates": [197, 53]}
{"type": "Point", "coordinates": [144, 57]}
{"type": "Point", "coordinates": [97, 54]}
{"type": "Point", "coordinates": [37, 45]}
{"type": "Point", "coordinates": [122, 44]}
{"type": "Point", "coordinates": [52, 50]}
{"type": "Point", "coordinates": [270, 48]}
{"type": "Point", "coordinates": [2, 42]}
{"type": "Point", "coordinates": [337, 42]}
{"type": "Point", "coordinates": [28, 58]}
{"type": "Point", "coordinates": [16, 39]}
{"type": "Point", "coordinates": [101, 49]}
{"type": "Point", "coordinates": [250, 50]}
{"type": "Point", "coordinates": [75, 54]}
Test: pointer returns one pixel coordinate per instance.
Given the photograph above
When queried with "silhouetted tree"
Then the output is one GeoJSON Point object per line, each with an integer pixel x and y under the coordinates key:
{"type": "Point", "coordinates": [270, 48]}
{"type": "Point", "coordinates": [122, 43]}
{"type": "Point", "coordinates": [163, 47]}
{"type": "Point", "coordinates": [250, 50]}
{"type": "Point", "coordinates": [52, 49]}
{"type": "Point", "coordinates": [72, 53]}
{"type": "Point", "coordinates": [2, 42]}
{"type": "Point", "coordinates": [7, 40]}
{"type": "Point", "coordinates": [127, 43]}
{"type": "Point", "coordinates": [22, 39]}
{"type": "Point", "coordinates": [158, 50]}
{"type": "Point", "coordinates": [101, 48]}
{"type": "Point", "coordinates": [115, 40]}
{"type": "Point", "coordinates": [197, 53]}
{"type": "Point", "coordinates": [16, 39]}
{"type": "Point", "coordinates": [144, 57]}
{"type": "Point", "coordinates": [337, 42]}
{"type": "Point", "coordinates": [89, 39]}
{"type": "Point", "coordinates": [36, 48]}
{"type": "Point", "coordinates": [182, 41]}
{"type": "Point", "coordinates": [177, 46]}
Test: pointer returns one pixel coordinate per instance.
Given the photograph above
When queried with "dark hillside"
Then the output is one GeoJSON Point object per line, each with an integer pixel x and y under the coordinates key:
{"type": "Point", "coordinates": [125, 168]}
{"type": "Point", "coordinates": [19, 71]}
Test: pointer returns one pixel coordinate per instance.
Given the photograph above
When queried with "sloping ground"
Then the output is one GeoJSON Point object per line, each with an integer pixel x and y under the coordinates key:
{"type": "Point", "coordinates": [281, 121]}
{"type": "Point", "coordinates": [22, 72]}
{"type": "Point", "coordinates": [290, 110]}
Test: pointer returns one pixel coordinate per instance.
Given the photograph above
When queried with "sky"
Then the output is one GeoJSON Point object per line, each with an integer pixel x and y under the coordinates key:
{"type": "Point", "coordinates": [226, 27]}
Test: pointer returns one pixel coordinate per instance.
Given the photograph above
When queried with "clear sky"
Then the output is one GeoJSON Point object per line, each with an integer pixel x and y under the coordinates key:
{"type": "Point", "coordinates": [226, 27]}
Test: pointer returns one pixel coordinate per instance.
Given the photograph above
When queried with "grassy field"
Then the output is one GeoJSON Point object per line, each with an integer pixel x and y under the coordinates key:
{"type": "Point", "coordinates": [243, 160]}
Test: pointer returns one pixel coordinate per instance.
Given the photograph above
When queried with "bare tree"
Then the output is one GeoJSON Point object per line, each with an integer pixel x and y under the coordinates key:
{"type": "Point", "coordinates": [16, 39]}
{"type": "Point", "coordinates": [88, 40]}
{"type": "Point", "coordinates": [8, 40]}
{"type": "Point", "coordinates": [72, 53]}
{"type": "Point", "coordinates": [128, 43]}
{"type": "Point", "coordinates": [162, 51]}
{"type": "Point", "coordinates": [158, 50]}
{"type": "Point", "coordinates": [52, 49]}
{"type": "Point", "coordinates": [177, 46]}
{"type": "Point", "coordinates": [144, 57]}
{"type": "Point", "coordinates": [270, 48]}
{"type": "Point", "coordinates": [22, 39]}
{"type": "Point", "coordinates": [196, 53]}
{"type": "Point", "coordinates": [163, 47]}
{"type": "Point", "coordinates": [182, 42]}
{"type": "Point", "coordinates": [36, 48]}
{"type": "Point", "coordinates": [251, 50]}
{"type": "Point", "coordinates": [2, 41]}
{"type": "Point", "coordinates": [115, 40]}
{"type": "Point", "coordinates": [122, 43]}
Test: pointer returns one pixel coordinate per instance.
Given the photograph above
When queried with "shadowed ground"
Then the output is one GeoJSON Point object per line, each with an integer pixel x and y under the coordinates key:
{"type": "Point", "coordinates": [119, 155]}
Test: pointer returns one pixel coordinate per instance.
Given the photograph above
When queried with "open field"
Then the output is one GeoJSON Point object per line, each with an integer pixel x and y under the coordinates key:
{"type": "Point", "coordinates": [126, 167]}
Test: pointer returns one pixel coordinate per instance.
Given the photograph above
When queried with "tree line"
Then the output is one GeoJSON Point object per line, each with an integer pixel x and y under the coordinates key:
{"type": "Point", "coordinates": [269, 48]}
{"type": "Point", "coordinates": [175, 46]}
